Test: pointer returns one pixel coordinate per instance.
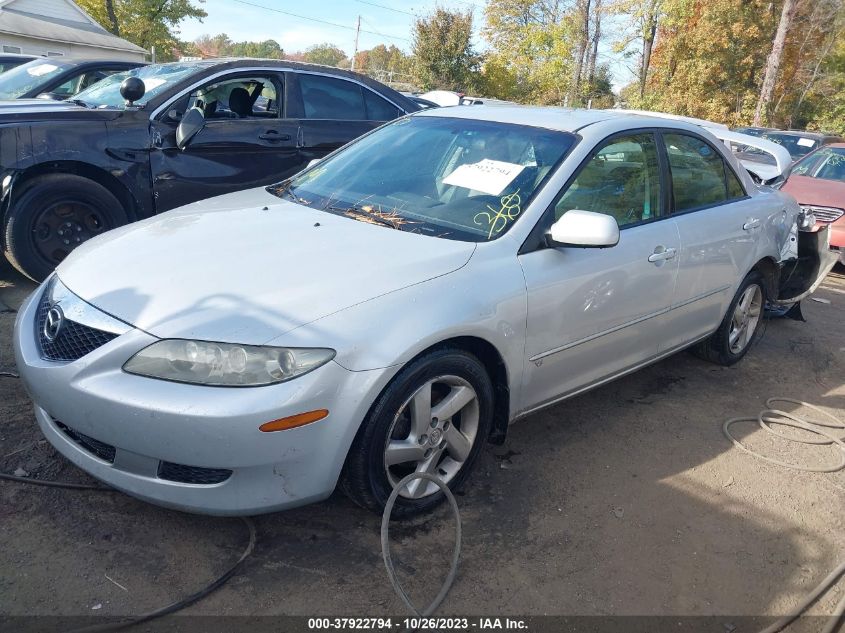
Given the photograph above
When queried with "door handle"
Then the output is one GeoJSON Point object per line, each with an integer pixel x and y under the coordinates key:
{"type": "Point", "coordinates": [661, 253]}
{"type": "Point", "coordinates": [273, 135]}
{"type": "Point", "coordinates": [753, 223]}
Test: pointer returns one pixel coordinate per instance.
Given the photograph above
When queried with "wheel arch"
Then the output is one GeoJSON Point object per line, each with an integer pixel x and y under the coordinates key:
{"type": "Point", "coordinates": [769, 268]}
{"type": "Point", "coordinates": [85, 170]}
{"type": "Point", "coordinates": [496, 368]}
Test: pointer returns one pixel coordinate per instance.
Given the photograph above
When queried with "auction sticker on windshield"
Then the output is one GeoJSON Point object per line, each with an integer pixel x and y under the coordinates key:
{"type": "Point", "coordinates": [488, 176]}
{"type": "Point", "coordinates": [806, 142]}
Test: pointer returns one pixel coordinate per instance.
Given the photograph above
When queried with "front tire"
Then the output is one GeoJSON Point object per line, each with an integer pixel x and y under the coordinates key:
{"type": "Point", "coordinates": [741, 326]}
{"type": "Point", "coordinates": [433, 417]}
{"type": "Point", "coordinates": [54, 214]}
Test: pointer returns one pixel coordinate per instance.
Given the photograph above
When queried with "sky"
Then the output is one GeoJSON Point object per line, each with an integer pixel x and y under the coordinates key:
{"type": "Point", "coordinates": [382, 22]}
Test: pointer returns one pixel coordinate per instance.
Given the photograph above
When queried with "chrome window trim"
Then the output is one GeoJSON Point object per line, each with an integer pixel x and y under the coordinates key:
{"type": "Point", "coordinates": [250, 69]}
{"type": "Point", "coordinates": [82, 312]}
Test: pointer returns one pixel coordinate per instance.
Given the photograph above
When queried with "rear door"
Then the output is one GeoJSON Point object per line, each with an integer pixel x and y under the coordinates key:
{"type": "Point", "coordinates": [594, 313]}
{"type": "Point", "coordinates": [718, 224]}
{"type": "Point", "coordinates": [334, 111]}
{"type": "Point", "coordinates": [246, 140]}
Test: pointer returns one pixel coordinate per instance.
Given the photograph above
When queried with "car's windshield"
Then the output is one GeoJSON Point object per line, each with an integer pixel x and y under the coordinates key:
{"type": "Point", "coordinates": [456, 178]}
{"type": "Point", "coordinates": [828, 163]}
{"type": "Point", "coordinates": [795, 144]}
{"type": "Point", "coordinates": [20, 80]}
{"type": "Point", "coordinates": [157, 78]}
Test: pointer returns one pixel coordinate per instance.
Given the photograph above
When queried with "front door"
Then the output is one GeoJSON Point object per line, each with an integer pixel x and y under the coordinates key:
{"type": "Point", "coordinates": [246, 141]}
{"type": "Point", "coordinates": [593, 313]}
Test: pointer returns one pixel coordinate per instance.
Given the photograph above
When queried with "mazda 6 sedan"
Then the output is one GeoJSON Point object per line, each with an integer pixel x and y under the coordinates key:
{"type": "Point", "coordinates": [395, 306]}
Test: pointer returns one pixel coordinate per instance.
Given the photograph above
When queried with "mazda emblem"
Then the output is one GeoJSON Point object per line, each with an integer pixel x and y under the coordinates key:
{"type": "Point", "coordinates": [53, 323]}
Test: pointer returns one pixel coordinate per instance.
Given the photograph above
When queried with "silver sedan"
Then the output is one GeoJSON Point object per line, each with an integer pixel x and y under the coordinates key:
{"type": "Point", "coordinates": [397, 305]}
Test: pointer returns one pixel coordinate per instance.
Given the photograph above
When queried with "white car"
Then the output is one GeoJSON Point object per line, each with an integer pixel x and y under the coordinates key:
{"type": "Point", "coordinates": [395, 306]}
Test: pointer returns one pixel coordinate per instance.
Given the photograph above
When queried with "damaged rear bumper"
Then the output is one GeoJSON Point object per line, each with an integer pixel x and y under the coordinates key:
{"type": "Point", "coordinates": [800, 277]}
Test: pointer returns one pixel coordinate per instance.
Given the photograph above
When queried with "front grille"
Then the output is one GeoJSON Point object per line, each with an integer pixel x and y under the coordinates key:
{"type": "Point", "coordinates": [825, 214]}
{"type": "Point", "coordinates": [95, 447]}
{"type": "Point", "coordinates": [192, 474]}
{"type": "Point", "coordinates": [74, 339]}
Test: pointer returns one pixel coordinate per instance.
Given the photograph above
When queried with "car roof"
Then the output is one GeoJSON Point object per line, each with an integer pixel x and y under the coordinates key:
{"type": "Point", "coordinates": [553, 118]}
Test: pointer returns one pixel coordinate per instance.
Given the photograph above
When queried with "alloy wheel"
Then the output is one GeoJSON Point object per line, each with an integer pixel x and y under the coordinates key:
{"type": "Point", "coordinates": [746, 318]}
{"type": "Point", "coordinates": [433, 432]}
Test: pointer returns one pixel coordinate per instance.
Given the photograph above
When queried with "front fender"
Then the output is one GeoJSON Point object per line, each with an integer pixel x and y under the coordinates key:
{"type": "Point", "coordinates": [485, 300]}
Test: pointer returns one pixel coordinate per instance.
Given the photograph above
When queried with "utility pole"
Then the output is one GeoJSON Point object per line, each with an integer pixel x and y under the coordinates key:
{"type": "Point", "coordinates": [355, 50]}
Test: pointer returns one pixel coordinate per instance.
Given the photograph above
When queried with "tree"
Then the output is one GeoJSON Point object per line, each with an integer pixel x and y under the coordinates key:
{"type": "Point", "coordinates": [147, 23]}
{"type": "Point", "coordinates": [774, 59]}
{"type": "Point", "coordinates": [644, 18]}
{"type": "Point", "coordinates": [212, 45]}
{"type": "Point", "coordinates": [533, 45]}
{"type": "Point", "coordinates": [443, 56]}
{"type": "Point", "coordinates": [326, 54]}
{"type": "Point", "coordinates": [268, 49]}
{"type": "Point", "coordinates": [582, 42]}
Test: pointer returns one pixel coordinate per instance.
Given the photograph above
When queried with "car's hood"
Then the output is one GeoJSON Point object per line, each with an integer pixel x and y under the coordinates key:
{"type": "Point", "coordinates": [40, 109]}
{"type": "Point", "coordinates": [248, 267]}
{"type": "Point", "coordinates": [817, 191]}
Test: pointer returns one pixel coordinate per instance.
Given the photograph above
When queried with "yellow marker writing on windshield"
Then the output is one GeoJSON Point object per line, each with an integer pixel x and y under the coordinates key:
{"type": "Point", "coordinates": [498, 220]}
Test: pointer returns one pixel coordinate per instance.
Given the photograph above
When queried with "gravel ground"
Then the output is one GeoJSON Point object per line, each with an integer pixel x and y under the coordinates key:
{"type": "Point", "coordinates": [627, 500]}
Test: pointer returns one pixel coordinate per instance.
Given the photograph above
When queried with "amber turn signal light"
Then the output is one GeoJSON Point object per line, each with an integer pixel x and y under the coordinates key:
{"type": "Point", "coordinates": [293, 421]}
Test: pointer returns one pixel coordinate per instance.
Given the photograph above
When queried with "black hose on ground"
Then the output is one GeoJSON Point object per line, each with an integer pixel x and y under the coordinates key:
{"type": "Point", "coordinates": [823, 437]}
{"type": "Point", "coordinates": [385, 544]}
{"type": "Point", "coordinates": [166, 610]}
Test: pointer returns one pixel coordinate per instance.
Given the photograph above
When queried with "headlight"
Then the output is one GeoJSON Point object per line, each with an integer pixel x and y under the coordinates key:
{"type": "Point", "coordinates": [224, 364]}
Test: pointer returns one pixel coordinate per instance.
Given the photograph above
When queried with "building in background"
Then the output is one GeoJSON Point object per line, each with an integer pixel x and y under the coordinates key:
{"type": "Point", "coordinates": [59, 28]}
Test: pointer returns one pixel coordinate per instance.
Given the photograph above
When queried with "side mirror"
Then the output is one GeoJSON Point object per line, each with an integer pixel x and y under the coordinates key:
{"type": "Point", "coordinates": [190, 125]}
{"type": "Point", "coordinates": [132, 89]}
{"type": "Point", "coordinates": [586, 229]}
{"type": "Point", "coordinates": [49, 96]}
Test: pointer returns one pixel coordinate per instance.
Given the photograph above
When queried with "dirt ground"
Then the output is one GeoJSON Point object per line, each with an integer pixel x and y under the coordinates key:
{"type": "Point", "coordinates": [627, 500]}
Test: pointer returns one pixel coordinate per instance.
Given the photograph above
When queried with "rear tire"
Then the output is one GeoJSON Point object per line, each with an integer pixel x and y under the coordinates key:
{"type": "Point", "coordinates": [434, 417]}
{"type": "Point", "coordinates": [740, 327]}
{"type": "Point", "coordinates": [53, 214]}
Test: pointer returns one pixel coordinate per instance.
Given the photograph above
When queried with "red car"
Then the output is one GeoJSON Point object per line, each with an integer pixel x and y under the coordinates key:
{"type": "Point", "coordinates": [817, 181]}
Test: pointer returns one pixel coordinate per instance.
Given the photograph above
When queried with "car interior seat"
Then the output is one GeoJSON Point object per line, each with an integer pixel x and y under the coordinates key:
{"type": "Point", "coordinates": [240, 102]}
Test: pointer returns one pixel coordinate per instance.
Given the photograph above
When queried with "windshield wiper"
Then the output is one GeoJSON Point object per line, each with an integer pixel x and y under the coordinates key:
{"type": "Point", "coordinates": [80, 102]}
{"type": "Point", "coordinates": [374, 217]}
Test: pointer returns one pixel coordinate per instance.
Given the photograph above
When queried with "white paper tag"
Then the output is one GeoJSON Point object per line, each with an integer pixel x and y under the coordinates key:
{"type": "Point", "coordinates": [488, 176]}
{"type": "Point", "coordinates": [41, 69]}
{"type": "Point", "coordinates": [806, 142]}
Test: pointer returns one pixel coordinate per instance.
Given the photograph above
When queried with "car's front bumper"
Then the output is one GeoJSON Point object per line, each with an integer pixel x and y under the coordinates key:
{"type": "Point", "coordinates": [148, 422]}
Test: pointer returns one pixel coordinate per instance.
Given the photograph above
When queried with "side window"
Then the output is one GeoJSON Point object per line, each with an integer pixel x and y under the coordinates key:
{"type": "Point", "coordinates": [379, 109]}
{"type": "Point", "coordinates": [242, 98]}
{"type": "Point", "coordinates": [330, 98]}
{"type": "Point", "coordinates": [622, 179]}
{"type": "Point", "coordinates": [698, 173]}
{"type": "Point", "coordinates": [735, 188]}
{"type": "Point", "coordinates": [70, 87]}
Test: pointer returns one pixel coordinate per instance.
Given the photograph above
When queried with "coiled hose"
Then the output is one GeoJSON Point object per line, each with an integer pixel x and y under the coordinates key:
{"type": "Point", "coordinates": [824, 438]}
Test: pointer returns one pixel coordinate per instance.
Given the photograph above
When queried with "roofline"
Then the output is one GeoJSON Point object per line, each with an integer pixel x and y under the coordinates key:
{"type": "Point", "coordinates": [138, 49]}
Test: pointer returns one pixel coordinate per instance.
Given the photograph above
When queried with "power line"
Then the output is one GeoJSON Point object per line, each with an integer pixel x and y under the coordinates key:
{"type": "Point", "coordinates": [381, 6]}
{"type": "Point", "coordinates": [373, 28]}
{"type": "Point", "coordinates": [305, 17]}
